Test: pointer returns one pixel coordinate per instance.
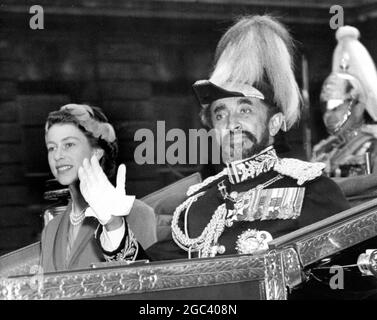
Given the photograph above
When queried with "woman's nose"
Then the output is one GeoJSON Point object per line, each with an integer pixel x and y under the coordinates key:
{"type": "Point", "coordinates": [58, 154]}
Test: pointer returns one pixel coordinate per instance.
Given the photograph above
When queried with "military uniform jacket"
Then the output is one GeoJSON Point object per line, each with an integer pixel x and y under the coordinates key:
{"type": "Point", "coordinates": [273, 198]}
{"type": "Point", "coordinates": [344, 155]}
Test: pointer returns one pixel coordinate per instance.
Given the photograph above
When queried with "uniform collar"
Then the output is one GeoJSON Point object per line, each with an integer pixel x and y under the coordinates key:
{"type": "Point", "coordinates": [242, 170]}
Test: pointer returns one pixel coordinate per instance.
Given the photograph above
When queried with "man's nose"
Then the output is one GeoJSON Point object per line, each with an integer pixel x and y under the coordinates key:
{"type": "Point", "coordinates": [234, 124]}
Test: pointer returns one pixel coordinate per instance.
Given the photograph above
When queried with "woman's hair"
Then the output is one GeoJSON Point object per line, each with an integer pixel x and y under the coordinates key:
{"type": "Point", "coordinates": [96, 127]}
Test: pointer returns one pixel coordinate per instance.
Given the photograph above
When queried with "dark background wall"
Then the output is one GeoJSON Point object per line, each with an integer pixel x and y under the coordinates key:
{"type": "Point", "coordinates": [139, 69]}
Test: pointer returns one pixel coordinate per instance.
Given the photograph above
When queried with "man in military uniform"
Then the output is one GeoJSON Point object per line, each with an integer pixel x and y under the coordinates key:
{"type": "Point", "coordinates": [257, 196]}
{"type": "Point", "coordinates": [349, 102]}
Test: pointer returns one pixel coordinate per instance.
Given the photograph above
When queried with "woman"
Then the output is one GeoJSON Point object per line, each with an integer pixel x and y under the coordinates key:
{"type": "Point", "coordinates": [82, 149]}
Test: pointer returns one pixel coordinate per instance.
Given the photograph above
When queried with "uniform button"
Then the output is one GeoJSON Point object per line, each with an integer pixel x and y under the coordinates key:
{"type": "Point", "coordinates": [229, 223]}
{"type": "Point", "coordinates": [234, 194]}
{"type": "Point", "coordinates": [221, 249]}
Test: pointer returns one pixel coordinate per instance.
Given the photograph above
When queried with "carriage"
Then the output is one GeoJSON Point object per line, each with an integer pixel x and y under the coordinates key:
{"type": "Point", "coordinates": [277, 274]}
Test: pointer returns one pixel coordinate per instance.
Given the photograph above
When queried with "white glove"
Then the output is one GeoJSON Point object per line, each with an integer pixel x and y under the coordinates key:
{"type": "Point", "coordinates": [104, 200]}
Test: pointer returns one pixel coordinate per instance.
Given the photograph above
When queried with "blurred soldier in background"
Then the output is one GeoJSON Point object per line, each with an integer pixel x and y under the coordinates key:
{"type": "Point", "coordinates": [349, 103]}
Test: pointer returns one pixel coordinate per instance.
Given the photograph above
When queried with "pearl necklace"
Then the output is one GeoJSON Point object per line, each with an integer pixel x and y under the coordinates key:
{"type": "Point", "coordinates": [77, 218]}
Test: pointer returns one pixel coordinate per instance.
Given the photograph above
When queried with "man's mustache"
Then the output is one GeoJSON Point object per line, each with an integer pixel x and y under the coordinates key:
{"type": "Point", "coordinates": [230, 136]}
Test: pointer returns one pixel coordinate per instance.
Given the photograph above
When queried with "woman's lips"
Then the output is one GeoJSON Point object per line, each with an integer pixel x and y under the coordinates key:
{"type": "Point", "coordinates": [64, 168]}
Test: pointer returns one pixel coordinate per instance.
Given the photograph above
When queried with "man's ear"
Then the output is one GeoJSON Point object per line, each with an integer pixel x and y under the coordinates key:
{"type": "Point", "coordinates": [275, 123]}
{"type": "Point", "coordinates": [99, 153]}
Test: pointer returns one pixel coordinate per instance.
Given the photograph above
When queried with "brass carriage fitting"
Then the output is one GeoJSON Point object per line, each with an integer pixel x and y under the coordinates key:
{"type": "Point", "coordinates": [367, 262]}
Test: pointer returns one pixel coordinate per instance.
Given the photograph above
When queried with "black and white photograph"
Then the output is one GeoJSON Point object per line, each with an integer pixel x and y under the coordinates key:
{"type": "Point", "coordinates": [188, 155]}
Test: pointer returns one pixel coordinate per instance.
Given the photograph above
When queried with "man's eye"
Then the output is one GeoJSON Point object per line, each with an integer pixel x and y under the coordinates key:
{"type": "Point", "coordinates": [245, 110]}
{"type": "Point", "coordinates": [219, 116]}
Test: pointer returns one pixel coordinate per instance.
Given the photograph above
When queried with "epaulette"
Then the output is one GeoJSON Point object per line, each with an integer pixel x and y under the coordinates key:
{"type": "Point", "coordinates": [302, 171]}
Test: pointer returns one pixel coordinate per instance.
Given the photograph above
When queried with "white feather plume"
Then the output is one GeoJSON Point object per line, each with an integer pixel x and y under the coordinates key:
{"type": "Point", "coordinates": [256, 49]}
{"type": "Point", "coordinates": [352, 52]}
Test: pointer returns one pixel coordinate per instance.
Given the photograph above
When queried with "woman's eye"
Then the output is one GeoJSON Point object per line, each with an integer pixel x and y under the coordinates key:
{"type": "Point", "coordinates": [69, 145]}
{"type": "Point", "coordinates": [50, 149]}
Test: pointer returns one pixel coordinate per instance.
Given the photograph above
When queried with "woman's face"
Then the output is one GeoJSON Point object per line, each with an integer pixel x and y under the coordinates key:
{"type": "Point", "coordinates": [67, 147]}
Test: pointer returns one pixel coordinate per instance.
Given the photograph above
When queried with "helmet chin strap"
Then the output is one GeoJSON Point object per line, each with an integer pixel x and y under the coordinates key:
{"type": "Point", "coordinates": [338, 129]}
{"type": "Point", "coordinates": [348, 123]}
{"type": "Point", "coordinates": [352, 131]}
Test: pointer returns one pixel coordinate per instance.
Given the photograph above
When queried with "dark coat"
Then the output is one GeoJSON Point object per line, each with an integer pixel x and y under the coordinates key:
{"type": "Point", "coordinates": [54, 245]}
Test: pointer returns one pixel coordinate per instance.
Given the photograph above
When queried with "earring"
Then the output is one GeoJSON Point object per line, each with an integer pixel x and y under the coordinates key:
{"type": "Point", "coordinates": [97, 153]}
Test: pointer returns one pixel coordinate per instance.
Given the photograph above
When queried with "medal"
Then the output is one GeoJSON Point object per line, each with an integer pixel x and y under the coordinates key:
{"type": "Point", "coordinates": [252, 241]}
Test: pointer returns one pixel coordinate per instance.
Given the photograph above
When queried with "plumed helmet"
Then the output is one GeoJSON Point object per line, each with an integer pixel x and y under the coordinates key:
{"type": "Point", "coordinates": [352, 58]}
